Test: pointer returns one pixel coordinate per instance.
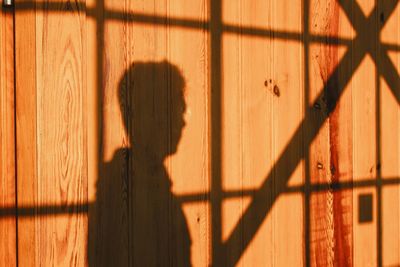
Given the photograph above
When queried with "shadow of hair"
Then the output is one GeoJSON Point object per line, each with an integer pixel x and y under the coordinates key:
{"type": "Point", "coordinates": [137, 220]}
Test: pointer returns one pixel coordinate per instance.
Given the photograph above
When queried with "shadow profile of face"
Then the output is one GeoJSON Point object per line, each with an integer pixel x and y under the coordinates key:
{"type": "Point", "coordinates": [137, 219]}
{"type": "Point", "coordinates": [152, 104]}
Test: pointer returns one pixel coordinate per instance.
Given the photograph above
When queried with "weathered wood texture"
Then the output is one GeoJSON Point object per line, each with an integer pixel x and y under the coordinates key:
{"type": "Point", "coordinates": [226, 133]}
{"type": "Point", "coordinates": [330, 154]}
{"type": "Point", "coordinates": [8, 228]}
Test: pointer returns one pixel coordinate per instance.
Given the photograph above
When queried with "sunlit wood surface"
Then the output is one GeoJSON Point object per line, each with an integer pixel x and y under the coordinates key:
{"type": "Point", "coordinates": [223, 133]}
{"type": "Point", "coordinates": [8, 228]}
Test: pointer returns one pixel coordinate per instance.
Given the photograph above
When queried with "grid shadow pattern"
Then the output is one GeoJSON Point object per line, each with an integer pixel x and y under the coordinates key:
{"type": "Point", "coordinates": [367, 39]}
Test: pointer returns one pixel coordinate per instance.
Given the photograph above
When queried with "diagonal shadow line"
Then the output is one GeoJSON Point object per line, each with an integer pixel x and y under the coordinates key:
{"type": "Point", "coordinates": [360, 22]}
{"type": "Point", "coordinates": [355, 15]}
{"type": "Point", "coordinates": [306, 6]}
{"type": "Point", "coordinates": [273, 186]}
{"type": "Point", "coordinates": [366, 26]}
{"type": "Point", "coordinates": [380, 58]}
{"type": "Point", "coordinates": [390, 8]}
{"type": "Point", "coordinates": [389, 73]}
{"type": "Point", "coordinates": [303, 125]}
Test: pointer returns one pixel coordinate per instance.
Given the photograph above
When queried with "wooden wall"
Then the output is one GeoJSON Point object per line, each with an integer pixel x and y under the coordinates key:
{"type": "Point", "coordinates": [225, 133]}
{"type": "Point", "coordinates": [8, 228]}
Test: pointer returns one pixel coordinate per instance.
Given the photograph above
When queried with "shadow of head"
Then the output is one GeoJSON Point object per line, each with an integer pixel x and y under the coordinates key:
{"type": "Point", "coordinates": [151, 97]}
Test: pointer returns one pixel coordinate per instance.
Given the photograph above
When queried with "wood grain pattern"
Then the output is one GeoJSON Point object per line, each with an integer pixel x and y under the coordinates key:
{"type": "Point", "coordinates": [331, 152]}
{"type": "Point", "coordinates": [365, 242]}
{"type": "Point", "coordinates": [110, 210]}
{"type": "Point", "coordinates": [247, 108]}
{"type": "Point", "coordinates": [261, 110]}
{"type": "Point", "coordinates": [125, 187]}
{"type": "Point", "coordinates": [61, 132]}
{"type": "Point", "coordinates": [189, 51]}
{"type": "Point", "coordinates": [8, 228]}
{"type": "Point", "coordinates": [287, 66]}
{"type": "Point", "coordinates": [26, 132]}
{"type": "Point", "coordinates": [365, 245]}
{"type": "Point", "coordinates": [148, 133]}
{"type": "Point", "coordinates": [389, 125]}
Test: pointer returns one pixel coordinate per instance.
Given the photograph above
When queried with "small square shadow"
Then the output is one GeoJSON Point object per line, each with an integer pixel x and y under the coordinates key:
{"type": "Point", "coordinates": [365, 208]}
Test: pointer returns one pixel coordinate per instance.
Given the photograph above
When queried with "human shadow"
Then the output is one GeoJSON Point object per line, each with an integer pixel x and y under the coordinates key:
{"type": "Point", "coordinates": [136, 219]}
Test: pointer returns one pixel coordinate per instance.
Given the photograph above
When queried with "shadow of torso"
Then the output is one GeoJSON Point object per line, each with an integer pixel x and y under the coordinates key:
{"type": "Point", "coordinates": [137, 220]}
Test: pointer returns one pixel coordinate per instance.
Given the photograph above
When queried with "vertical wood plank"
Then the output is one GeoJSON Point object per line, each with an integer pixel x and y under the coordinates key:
{"type": "Point", "coordinates": [365, 241]}
{"type": "Point", "coordinates": [231, 125]}
{"type": "Point", "coordinates": [247, 110]}
{"type": "Point", "coordinates": [61, 133]}
{"type": "Point", "coordinates": [262, 108]}
{"type": "Point", "coordinates": [188, 50]}
{"type": "Point", "coordinates": [95, 46]}
{"type": "Point", "coordinates": [139, 173]}
{"type": "Point", "coordinates": [389, 128]}
{"type": "Point", "coordinates": [287, 73]}
{"type": "Point", "coordinates": [26, 134]}
{"type": "Point", "coordinates": [366, 146]}
{"type": "Point", "coordinates": [331, 151]}
{"type": "Point", "coordinates": [8, 245]}
{"type": "Point", "coordinates": [110, 193]}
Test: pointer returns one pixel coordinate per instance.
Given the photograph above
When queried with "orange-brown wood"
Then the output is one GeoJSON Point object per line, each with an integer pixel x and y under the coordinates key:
{"type": "Point", "coordinates": [110, 195]}
{"type": "Point", "coordinates": [330, 162]}
{"type": "Point", "coordinates": [26, 133]}
{"type": "Point", "coordinates": [261, 111]}
{"type": "Point", "coordinates": [62, 131]}
{"type": "Point", "coordinates": [125, 184]}
{"type": "Point", "coordinates": [226, 133]}
{"type": "Point", "coordinates": [8, 220]}
{"type": "Point", "coordinates": [388, 120]}
{"type": "Point", "coordinates": [52, 133]}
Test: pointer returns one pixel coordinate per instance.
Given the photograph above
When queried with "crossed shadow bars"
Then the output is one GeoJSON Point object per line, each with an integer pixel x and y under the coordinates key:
{"type": "Point", "coordinates": [366, 40]}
